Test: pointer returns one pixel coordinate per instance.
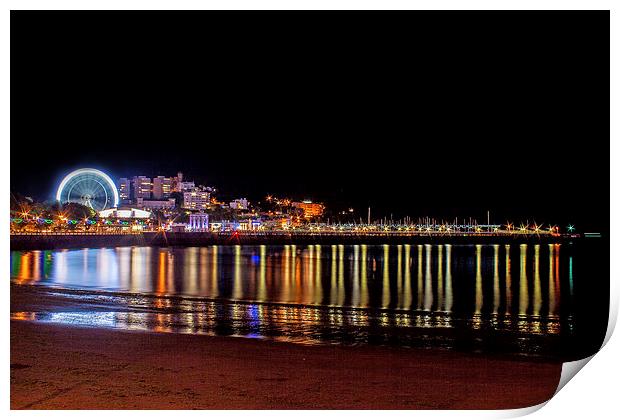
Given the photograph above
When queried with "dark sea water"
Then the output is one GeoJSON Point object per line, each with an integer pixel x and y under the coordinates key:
{"type": "Point", "coordinates": [531, 300]}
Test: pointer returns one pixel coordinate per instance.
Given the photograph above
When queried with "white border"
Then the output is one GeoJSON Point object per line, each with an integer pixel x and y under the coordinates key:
{"type": "Point", "coordinates": [593, 394]}
{"type": "Point", "coordinates": [310, 5]}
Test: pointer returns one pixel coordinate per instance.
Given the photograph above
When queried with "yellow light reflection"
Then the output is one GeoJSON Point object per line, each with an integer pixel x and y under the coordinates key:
{"type": "Point", "coordinates": [341, 291]}
{"type": "Point", "coordinates": [204, 274]}
{"type": "Point", "coordinates": [364, 279]}
{"type": "Point", "coordinates": [523, 289]}
{"type": "Point", "coordinates": [428, 285]}
{"type": "Point", "coordinates": [170, 273]}
{"type": "Point", "coordinates": [355, 294]}
{"type": "Point", "coordinates": [161, 274]}
{"type": "Point", "coordinates": [24, 270]}
{"type": "Point", "coordinates": [407, 286]}
{"type": "Point", "coordinates": [448, 299]}
{"type": "Point", "coordinates": [557, 268]}
{"type": "Point", "coordinates": [308, 276]}
{"type": "Point", "coordinates": [440, 301]}
{"type": "Point", "coordinates": [508, 281]}
{"type": "Point", "coordinates": [537, 286]}
{"type": "Point", "coordinates": [137, 270]}
{"type": "Point", "coordinates": [385, 300]}
{"type": "Point", "coordinates": [162, 323]}
{"type": "Point", "coordinates": [237, 292]}
{"type": "Point", "coordinates": [262, 270]}
{"type": "Point", "coordinates": [496, 296]}
{"type": "Point", "coordinates": [478, 307]}
{"type": "Point", "coordinates": [333, 293]}
{"type": "Point", "coordinates": [399, 276]}
{"type": "Point", "coordinates": [285, 292]}
{"type": "Point", "coordinates": [296, 271]}
{"type": "Point", "coordinates": [148, 269]}
{"type": "Point", "coordinates": [420, 284]}
{"type": "Point", "coordinates": [552, 291]}
{"type": "Point", "coordinates": [191, 270]}
{"type": "Point", "coordinates": [318, 287]}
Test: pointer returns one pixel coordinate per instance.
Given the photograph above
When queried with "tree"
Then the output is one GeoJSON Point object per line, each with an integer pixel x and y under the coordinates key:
{"type": "Point", "coordinates": [77, 211]}
{"type": "Point", "coordinates": [178, 198]}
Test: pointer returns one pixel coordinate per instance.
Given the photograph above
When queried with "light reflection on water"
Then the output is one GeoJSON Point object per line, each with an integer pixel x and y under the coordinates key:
{"type": "Point", "coordinates": [313, 293]}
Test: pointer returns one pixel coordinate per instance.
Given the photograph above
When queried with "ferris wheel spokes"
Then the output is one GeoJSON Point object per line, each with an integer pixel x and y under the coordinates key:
{"type": "Point", "coordinates": [88, 187]}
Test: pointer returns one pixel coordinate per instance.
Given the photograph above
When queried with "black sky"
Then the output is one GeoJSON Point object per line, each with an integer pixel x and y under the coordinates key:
{"type": "Point", "coordinates": [413, 113]}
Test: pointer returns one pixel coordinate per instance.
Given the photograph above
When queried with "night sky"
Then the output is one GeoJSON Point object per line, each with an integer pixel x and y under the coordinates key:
{"type": "Point", "coordinates": [412, 113]}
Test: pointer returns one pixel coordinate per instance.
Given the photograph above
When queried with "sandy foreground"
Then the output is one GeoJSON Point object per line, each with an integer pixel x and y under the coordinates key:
{"type": "Point", "coordinates": [66, 367]}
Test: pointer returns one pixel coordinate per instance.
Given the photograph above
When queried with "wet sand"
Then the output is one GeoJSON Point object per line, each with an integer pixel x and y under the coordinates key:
{"type": "Point", "coordinates": [67, 367]}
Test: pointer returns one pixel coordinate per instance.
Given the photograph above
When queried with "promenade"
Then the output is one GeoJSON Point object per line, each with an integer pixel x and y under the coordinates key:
{"type": "Point", "coordinates": [24, 241]}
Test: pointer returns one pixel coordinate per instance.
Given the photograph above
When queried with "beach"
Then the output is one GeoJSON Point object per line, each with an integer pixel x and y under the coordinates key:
{"type": "Point", "coordinates": [67, 367]}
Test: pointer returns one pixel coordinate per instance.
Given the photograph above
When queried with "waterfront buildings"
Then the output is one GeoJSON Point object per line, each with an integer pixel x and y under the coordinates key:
{"type": "Point", "coordinates": [185, 186]}
{"type": "Point", "coordinates": [276, 223]}
{"type": "Point", "coordinates": [141, 187]}
{"type": "Point", "coordinates": [176, 181]}
{"type": "Point", "coordinates": [162, 187]}
{"type": "Point", "coordinates": [239, 204]}
{"type": "Point", "coordinates": [124, 190]}
{"type": "Point", "coordinates": [175, 196]}
{"type": "Point", "coordinates": [179, 184]}
{"type": "Point", "coordinates": [309, 208]}
{"type": "Point", "coordinates": [156, 193]}
{"type": "Point", "coordinates": [235, 225]}
{"type": "Point", "coordinates": [124, 214]}
{"type": "Point", "coordinates": [168, 204]}
{"type": "Point", "coordinates": [198, 222]}
{"type": "Point", "coordinates": [196, 199]}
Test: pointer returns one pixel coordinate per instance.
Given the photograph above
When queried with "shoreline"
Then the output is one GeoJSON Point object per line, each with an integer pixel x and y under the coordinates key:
{"type": "Point", "coordinates": [84, 308]}
{"type": "Point", "coordinates": [67, 367]}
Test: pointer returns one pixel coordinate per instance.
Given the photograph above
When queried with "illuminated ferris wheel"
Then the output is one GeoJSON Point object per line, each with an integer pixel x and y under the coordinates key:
{"type": "Point", "coordinates": [89, 187]}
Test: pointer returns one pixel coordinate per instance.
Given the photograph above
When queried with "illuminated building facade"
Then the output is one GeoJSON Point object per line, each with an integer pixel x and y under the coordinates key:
{"type": "Point", "coordinates": [124, 190]}
{"type": "Point", "coordinates": [162, 187]}
{"type": "Point", "coordinates": [141, 187]}
{"type": "Point", "coordinates": [154, 193]}
{"type": "Point", "coordinates": [186, 186]}
{"type": "Point", "coordinates": [198, 222]}
{"type": "Point", "coordinates": [243, 225]}
{"type": "Point", "coordinates": [179, 184]}
{"type": "Point", "coordinates": [176, 181]}
{"type": "Point", "coordinates": [196, 199]}
{"type": "Point", "coordinates": [239, 204]}
{"type": "Point", "coordinates": [309, 208]}
{"type": "Point", "coordinates": [124, 214]}
{"type": "Point", "coordinates": [168, 204]}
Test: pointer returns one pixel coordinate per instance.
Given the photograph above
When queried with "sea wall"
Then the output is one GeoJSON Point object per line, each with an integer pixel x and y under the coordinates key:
{"type": "Point", "coordinates": [61, 241]}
